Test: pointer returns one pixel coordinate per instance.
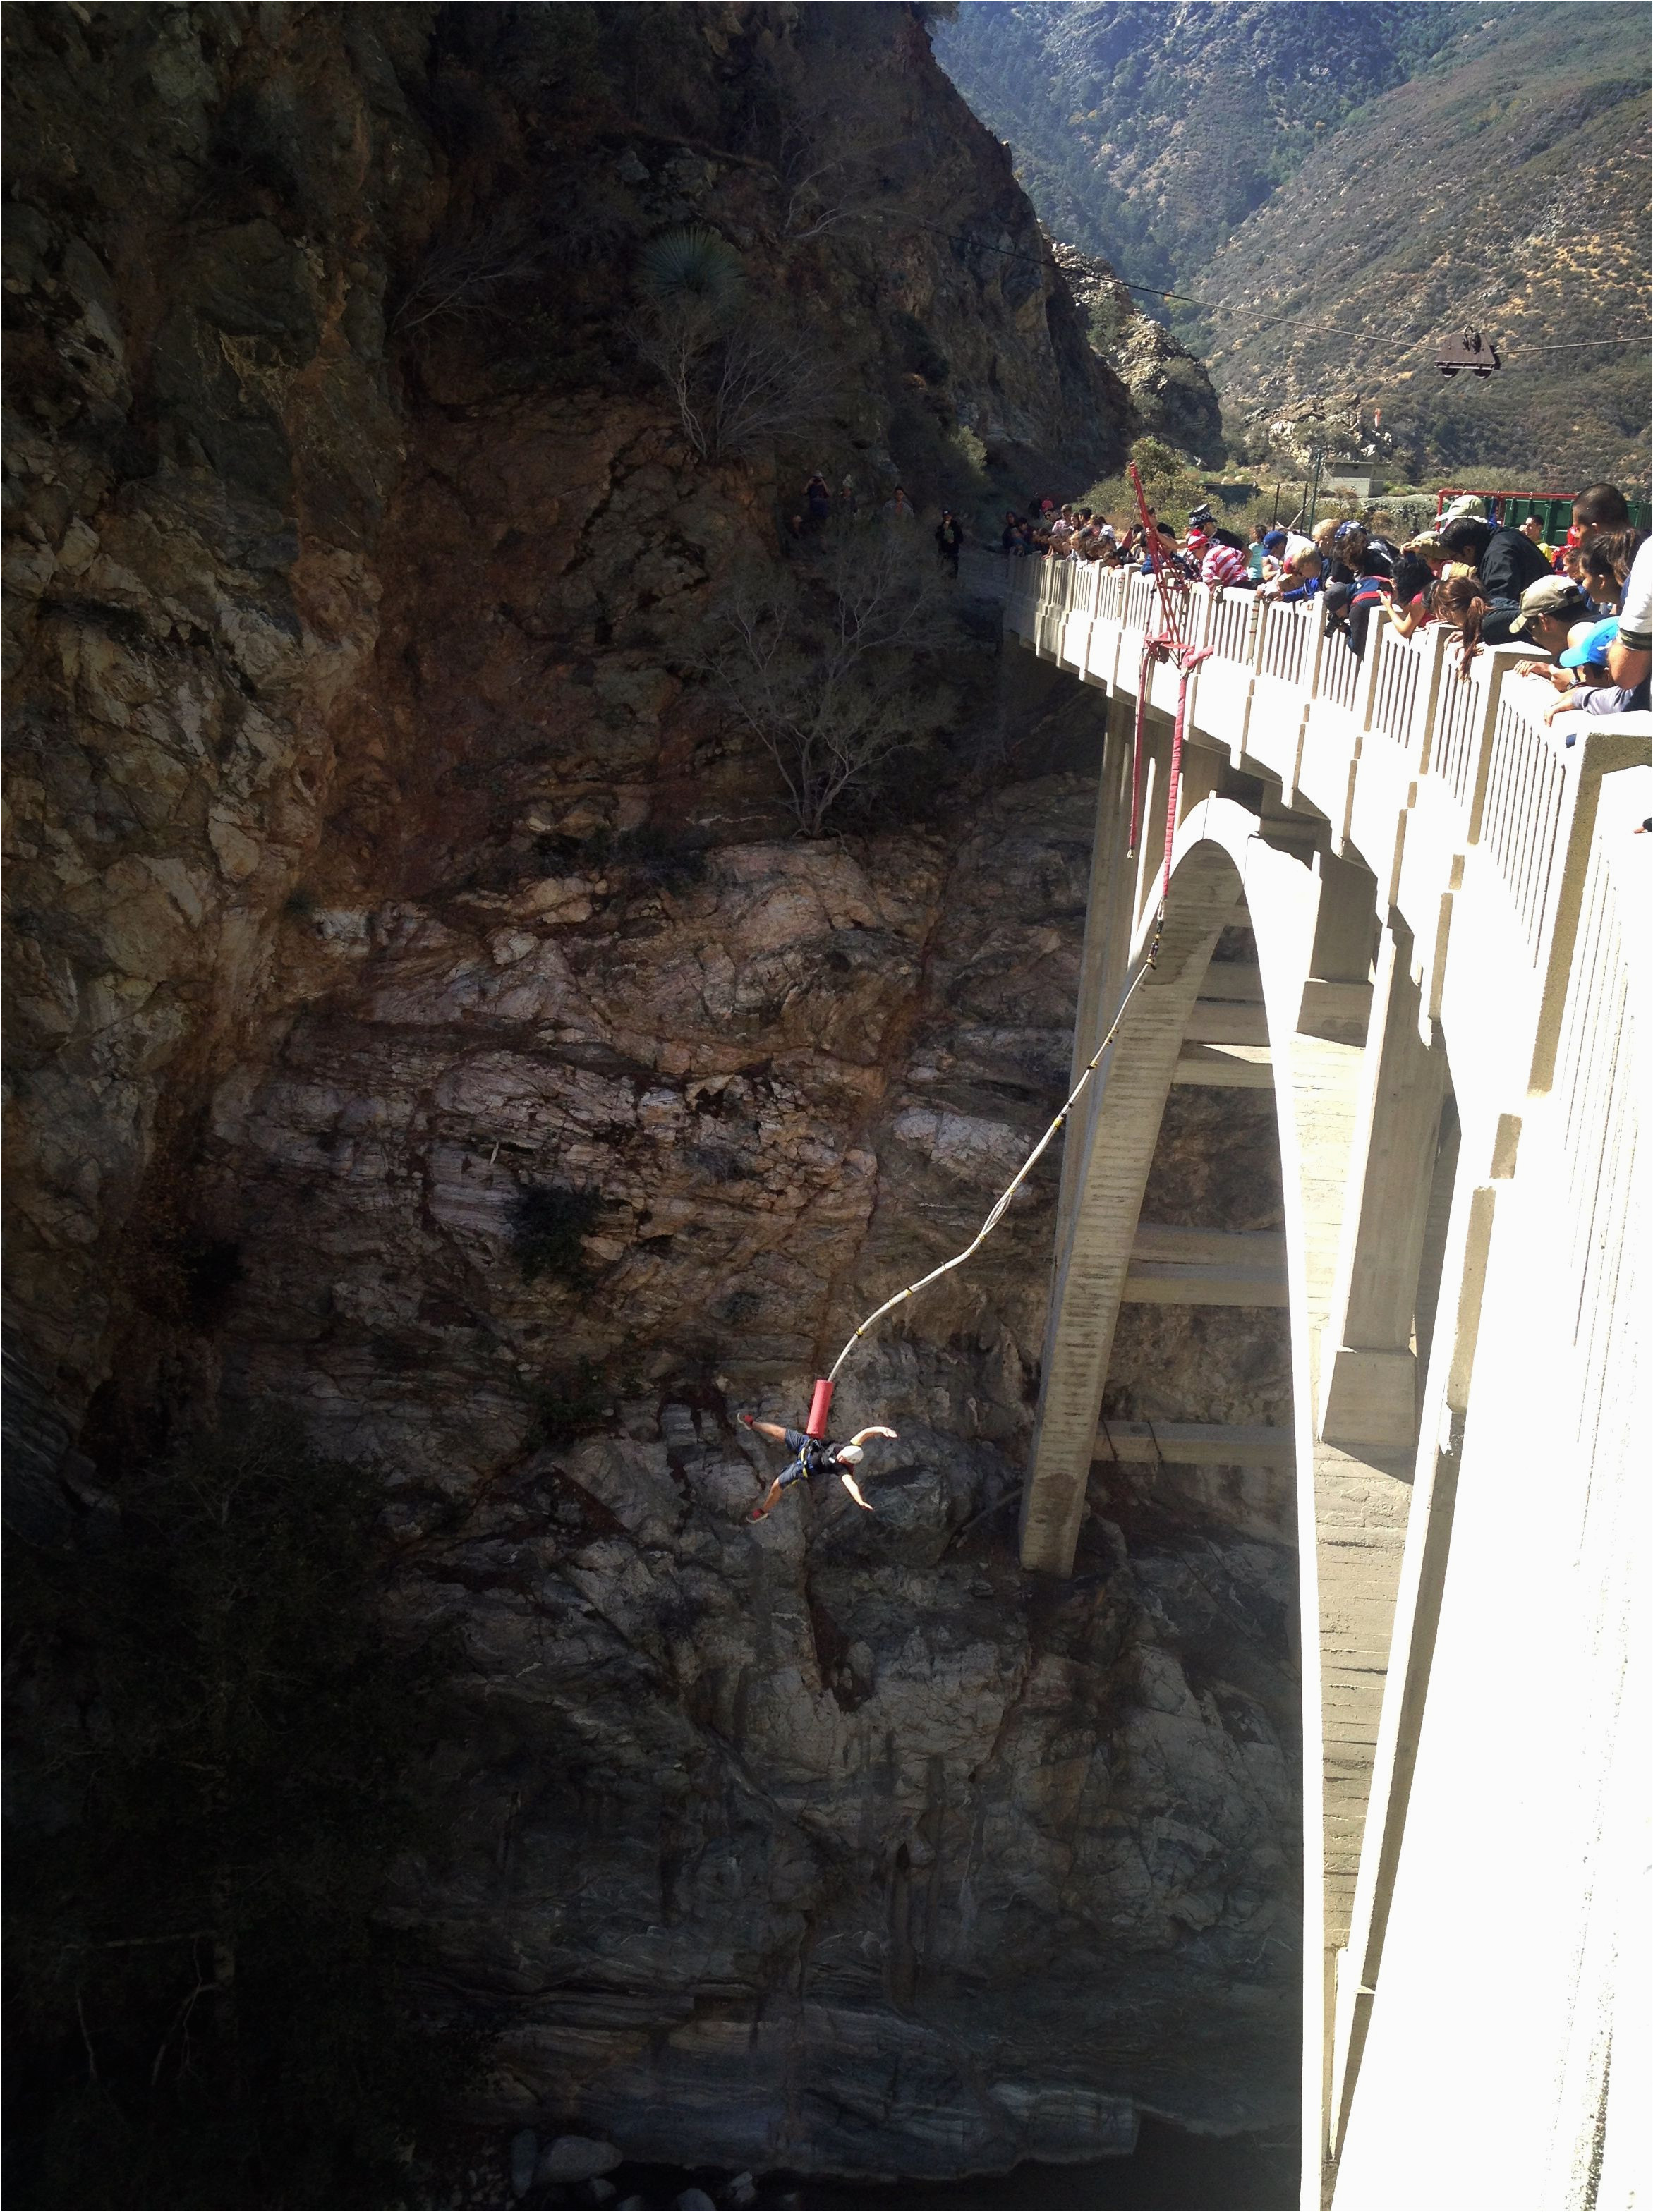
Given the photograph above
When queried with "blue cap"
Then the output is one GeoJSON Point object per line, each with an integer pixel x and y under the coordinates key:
{"type": "Point", "coordinates": [1594, 646]}
{"type": "Point", "coordinates": [1274, 541]}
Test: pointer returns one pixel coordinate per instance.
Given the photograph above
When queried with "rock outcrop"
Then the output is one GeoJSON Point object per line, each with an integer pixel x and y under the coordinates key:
{"type": "Point", "coordinates": [1172, 397]}
{"type": "Point", "coordinates": [379, 868]}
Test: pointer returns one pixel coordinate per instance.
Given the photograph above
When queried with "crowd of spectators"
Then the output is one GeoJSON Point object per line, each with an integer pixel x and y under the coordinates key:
{"type": "Point", "coordinates": [1587, 604]}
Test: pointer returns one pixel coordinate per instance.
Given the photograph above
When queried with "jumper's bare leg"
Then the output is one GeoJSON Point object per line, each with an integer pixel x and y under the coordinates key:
{"type": "Point", "coordinates": [761, 1512]}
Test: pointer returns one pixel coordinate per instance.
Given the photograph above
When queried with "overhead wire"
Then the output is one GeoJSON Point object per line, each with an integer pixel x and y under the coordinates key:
{"type": "Point", "coordinates": [1219, 307]}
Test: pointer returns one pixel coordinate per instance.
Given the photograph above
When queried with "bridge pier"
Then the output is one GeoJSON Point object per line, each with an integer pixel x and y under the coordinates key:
{"type": "Point", "coordinates": [1369, 1390]}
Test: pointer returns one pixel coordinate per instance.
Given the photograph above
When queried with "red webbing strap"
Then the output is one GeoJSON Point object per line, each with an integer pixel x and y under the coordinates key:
{"type": "Point", "coordinates": [1187, 663]}
{"type": "Point", "coordinates": [1165, 644]}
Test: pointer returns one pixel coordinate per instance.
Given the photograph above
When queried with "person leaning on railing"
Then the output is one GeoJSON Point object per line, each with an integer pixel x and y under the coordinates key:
{"type": "Point", "coordinates": [1298, 581]}
{"type": "Point", "coordinates": [1506, 561]}
{"type": "Point", "coordinates": [1373, 588]}
{"type": "Point", "coordinates": [1630, 657]}
{"type": "Point", "coordinates": [1555, 617]}
{"type": "Point", "coordinates": [1422, 561]}
{"type": "Point", "coordinates": [1460, 604]}
{"type": "Point", "coordinates": [1611, 665]}
{"type": "Point", "coordinates": [1225, 562]}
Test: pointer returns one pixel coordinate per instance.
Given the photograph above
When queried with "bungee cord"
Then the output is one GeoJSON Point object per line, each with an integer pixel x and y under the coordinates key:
{"type": "Point", "coordinates": [1002, 1203]}
{"type": "Point", "coordinates": [1169, 643]}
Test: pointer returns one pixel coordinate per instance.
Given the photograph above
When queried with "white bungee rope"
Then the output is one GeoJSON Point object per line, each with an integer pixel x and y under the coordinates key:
{"type": "Point", "coordinates": [1000, 1205]}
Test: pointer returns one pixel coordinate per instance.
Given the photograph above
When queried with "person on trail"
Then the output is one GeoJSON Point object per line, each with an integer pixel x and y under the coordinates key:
{"type": "Point", "coordinates": [811, 1456]}
{"type": "Point", "coordinates": [949, 537]}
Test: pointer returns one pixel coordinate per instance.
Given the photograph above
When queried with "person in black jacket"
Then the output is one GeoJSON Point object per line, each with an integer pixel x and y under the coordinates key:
{"type": "Point", "coordinates": [1505, 561]}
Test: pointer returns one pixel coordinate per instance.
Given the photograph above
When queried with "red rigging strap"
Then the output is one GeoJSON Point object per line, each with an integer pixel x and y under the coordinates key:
{"type": "Point", "coordinates": [819, 1406]}
{"type": "Point", "coordinates": [1167, 643]}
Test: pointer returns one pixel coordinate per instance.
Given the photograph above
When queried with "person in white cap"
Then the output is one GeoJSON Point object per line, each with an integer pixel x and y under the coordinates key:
{"type": "Point", "coordinates": [811, 1456]}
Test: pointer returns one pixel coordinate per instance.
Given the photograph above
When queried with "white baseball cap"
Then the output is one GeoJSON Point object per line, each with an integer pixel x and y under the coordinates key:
{"type": "Point", "coordinates": [851, 1454]}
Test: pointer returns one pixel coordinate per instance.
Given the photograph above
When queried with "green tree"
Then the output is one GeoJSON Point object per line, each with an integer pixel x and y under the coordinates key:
{"type": "Point", "coordinates": [1172, 485]}
{"type": "Point", "coordinates": [211, 2003]}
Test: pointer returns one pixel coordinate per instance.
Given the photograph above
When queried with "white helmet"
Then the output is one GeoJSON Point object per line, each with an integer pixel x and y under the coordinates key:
{"type": "Point", "coordinates": [850, 1454]}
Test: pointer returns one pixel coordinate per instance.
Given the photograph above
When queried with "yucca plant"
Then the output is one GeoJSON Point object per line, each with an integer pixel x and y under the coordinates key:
{"type": "Point", "coordinates": [693, 268]}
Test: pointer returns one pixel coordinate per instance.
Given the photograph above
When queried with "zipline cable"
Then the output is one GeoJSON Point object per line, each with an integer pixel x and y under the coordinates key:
{"type": "Point", "coordinates": [1223, 307]}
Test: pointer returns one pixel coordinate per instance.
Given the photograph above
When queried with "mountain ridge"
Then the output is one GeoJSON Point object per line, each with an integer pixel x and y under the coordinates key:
{"type": "Point", "coordinates": [1420, 169]}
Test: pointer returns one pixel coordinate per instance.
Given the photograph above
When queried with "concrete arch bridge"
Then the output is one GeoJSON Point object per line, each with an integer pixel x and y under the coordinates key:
{"type": "Point", "coordinates": [1449, 1004]}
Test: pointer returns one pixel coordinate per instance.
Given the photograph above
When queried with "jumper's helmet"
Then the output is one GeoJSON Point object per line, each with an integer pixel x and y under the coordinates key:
{"type": "Point", "coordinates": [850, 1454]}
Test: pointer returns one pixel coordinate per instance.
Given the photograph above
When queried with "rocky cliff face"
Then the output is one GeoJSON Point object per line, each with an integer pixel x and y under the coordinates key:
{"type": "Point", "coordinates": [1171, 396]}
{"type": "Point", "coordinates": [378, 868]}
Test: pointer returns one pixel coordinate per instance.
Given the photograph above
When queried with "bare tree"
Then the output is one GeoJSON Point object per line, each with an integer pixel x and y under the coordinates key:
{"type": "Point", "coordinates": [735, 386]}
{"type": "Point", "coordinates": [736, 377]}
{"type": "Point", "coordinates": [824, 189]}
{"type": "Point", "coordinates": [822, 664]}
{"type": "Point", "coordinates": [469, 272]}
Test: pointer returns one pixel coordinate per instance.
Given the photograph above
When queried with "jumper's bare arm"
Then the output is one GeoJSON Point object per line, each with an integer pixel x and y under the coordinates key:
{"type": "Point", "coordinates": [862, 1435]}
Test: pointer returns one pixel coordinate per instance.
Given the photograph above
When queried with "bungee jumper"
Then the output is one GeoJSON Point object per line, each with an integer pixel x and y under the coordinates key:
{"type": "Point", "coordinates": [813, 1455]}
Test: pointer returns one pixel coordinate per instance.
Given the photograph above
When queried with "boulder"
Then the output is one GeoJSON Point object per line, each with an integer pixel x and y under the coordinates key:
{"type": "Point", "coordinates": [525, 2153]}
{"type": "Point", "coordinates": [574, 2158]}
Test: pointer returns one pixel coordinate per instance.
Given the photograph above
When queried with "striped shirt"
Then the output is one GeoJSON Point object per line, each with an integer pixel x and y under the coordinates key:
{"type": "Point", "coordinates": [1223, 565]}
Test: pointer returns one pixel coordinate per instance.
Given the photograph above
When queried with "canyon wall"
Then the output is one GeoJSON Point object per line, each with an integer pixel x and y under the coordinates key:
{"type": "Point", "coordinates": [380, 868]}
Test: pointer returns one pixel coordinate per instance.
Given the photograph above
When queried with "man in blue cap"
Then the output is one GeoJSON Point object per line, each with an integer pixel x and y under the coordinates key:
{"type": "Point", "coordinates": [1588, 681]}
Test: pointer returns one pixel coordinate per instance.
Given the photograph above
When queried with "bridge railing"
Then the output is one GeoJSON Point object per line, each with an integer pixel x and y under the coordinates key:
{"type": "Point", "coordinates": [1473, 813]}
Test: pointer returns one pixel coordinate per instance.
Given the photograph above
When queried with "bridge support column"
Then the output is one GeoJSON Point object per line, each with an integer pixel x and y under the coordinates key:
{"type": "Point", "coordinates": [1109, 920]}
{"type": "Point", "coordinates": [1369, 1379]}
{"type": "Point", "coordinates": [1120, 887]}
{"type": "Point", "coordinates": [1113, 1154]}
